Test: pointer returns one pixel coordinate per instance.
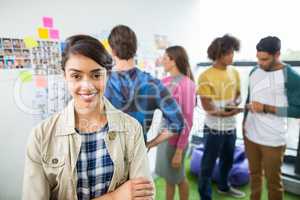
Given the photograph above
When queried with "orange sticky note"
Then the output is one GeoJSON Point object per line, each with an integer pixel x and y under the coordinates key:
{"type": "Point", "coordinates": [40, 81]}
{"type": "Point", "coordinates": [43, 33]}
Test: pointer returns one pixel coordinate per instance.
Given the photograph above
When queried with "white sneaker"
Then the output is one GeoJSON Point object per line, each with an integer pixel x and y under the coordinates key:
{"type": "Point", "coordinates": [233, 193]}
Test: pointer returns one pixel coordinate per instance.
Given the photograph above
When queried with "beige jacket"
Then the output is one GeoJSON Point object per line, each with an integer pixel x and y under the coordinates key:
{"type": "Point", "coordinates": [53, 148]}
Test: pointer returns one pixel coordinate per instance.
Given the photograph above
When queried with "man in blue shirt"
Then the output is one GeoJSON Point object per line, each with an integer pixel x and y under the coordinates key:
{"type": "Point", "coordinates": [137, 93]}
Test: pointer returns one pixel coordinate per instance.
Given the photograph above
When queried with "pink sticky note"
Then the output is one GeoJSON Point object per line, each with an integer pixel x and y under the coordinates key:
{"type": "Point", "coordinates": [48, 22]}
{"type": "Point", "coordinates": [54, 34]}
{"type": "Point", "coordinates": [40, 81]}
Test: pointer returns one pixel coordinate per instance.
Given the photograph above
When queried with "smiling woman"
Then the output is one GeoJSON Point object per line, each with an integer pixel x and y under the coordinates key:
{"type": "Point", "coordinates": [85, 64]}
{"type": "Point", "coordinates": [90, 150]}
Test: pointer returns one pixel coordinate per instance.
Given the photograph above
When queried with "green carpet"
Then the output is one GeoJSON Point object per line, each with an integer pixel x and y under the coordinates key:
{"type": "Point", "coordinates": [160, 189]}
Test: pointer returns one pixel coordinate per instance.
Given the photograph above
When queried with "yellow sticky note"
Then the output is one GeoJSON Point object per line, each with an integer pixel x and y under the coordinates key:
{"type": "Point", "coordinates": [43, 33]}
{"type": "Point", "coordinates": [25, 76]}
{"type": "Point", "coordinates": [106, 44]}
{"type": "Point", "coordinates": [141, 64]}
{"type": "Point", "coordinates": [30, 42]}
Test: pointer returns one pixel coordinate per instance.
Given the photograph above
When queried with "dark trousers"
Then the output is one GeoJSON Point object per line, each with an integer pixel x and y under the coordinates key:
{"type": "Point", "coordinates": [216, 144]}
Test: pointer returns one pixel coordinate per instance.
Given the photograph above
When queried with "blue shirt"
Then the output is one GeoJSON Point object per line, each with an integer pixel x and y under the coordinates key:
{"type": "Point", "coordinates": [139, 94]}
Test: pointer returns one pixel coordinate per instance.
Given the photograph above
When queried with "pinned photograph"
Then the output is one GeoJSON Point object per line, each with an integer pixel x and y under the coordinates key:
{"type": "Point", "coordinates": [16, 43]}
{"type": "Point", "coordinates": [22, 44]}
{"type": "Point", "coordinates": [7, 43]}
{"type": "Point", "coordinates": [9, 63]}
{"type": "Point", "coordinates": [161, 41]}
{"type": "Point", "coordinates": [18, 53]}
{"type": "Point", "coordinates": [8, 52]}
{"type": "Point", "coordinates": [26, 53]}
{"type": "Point", "coordinates": [19, 64]}
{"type": "Point", "coordinates": [27, 63]}
{"type": "Point", "coordinates": [1, 64]}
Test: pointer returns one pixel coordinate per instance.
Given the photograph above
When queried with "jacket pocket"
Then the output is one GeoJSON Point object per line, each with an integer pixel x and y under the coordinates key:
{"type": "Point", "coordinates": [53, 167]}
{"type": "Point", "coordinates": [53, 161]}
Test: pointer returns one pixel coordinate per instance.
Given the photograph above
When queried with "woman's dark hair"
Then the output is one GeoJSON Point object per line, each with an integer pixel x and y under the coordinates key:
{"type": "Point", "coordinates": [222, 46]}
{"type": "Point", "coordinates": [123, 42]}
{"type": "Point", "coordinates": [181, 59]}
{"type": "Point", "coordinates": [86, 46]}
{"type": "Point", "coordinates": [270, 44]}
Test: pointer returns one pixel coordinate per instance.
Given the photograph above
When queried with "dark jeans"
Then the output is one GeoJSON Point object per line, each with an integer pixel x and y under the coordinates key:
{"type": "Point", "coordinates": [216, 144]}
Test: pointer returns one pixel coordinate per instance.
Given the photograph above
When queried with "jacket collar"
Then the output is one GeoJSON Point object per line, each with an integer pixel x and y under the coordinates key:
{"type": "Point", "coordinates": [66, 123]}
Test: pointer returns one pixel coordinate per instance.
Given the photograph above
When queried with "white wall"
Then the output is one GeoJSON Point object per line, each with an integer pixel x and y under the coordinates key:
{"type": "Point", "coordinates": [174, 18]}
{"type": "Point", "coordinates": [250, 21]}
{"type": "Point", "coordinates": [15, 123]}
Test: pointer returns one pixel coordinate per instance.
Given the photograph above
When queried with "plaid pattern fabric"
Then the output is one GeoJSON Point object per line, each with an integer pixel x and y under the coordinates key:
{"type": "Point", "coordinates": [139, 94]}
{"type": "Point", "coordinates": [94, 166]}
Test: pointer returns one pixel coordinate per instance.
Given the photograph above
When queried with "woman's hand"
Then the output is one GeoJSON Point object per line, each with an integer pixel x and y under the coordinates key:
{"type": "Point", "coordinates": [135, 189]}
{"type": "Point", "coordinates": [161, 137]}
{"type": "Point", "coordinates": [177, 158]}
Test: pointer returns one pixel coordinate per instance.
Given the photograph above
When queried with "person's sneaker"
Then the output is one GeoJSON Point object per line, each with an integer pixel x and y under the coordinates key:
{"type": "Point", "coordinates": [233, 193]}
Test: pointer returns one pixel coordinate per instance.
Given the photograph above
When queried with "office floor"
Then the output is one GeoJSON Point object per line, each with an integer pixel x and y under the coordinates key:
{"type": "Point", "coordinates": [160, 189]}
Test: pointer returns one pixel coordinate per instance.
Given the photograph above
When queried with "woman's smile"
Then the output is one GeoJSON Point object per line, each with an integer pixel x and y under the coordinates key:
{"type": "Point", "coordinates": [88, 97]}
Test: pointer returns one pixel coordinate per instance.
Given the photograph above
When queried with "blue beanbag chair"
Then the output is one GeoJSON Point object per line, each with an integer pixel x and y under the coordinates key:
{"type": "Point", "coordinates": [239, 174]}
{"type": "Point", "coordinates": [196, 160]}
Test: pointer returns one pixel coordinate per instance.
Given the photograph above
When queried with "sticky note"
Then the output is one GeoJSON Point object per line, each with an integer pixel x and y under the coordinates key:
{"type": "Point", "coordinates": [25, 76]}
{"type": "Point", "coordinates": [30, 42]}
{"type": "Point", "coordinates": [54, 33]}
{"type": "Point", "coordinates": [106, 44]}
{"type": "Point", "coordinates": [40, 81]}
{"type": "Point", "coordinates": [48, 22]}
{"type": "Point", "coordinates": [141, 64]}
{"type": "Point", "coordinates": [43, 33]}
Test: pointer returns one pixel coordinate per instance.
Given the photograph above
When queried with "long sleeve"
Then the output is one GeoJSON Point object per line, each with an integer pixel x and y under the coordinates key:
{"type": "Point", "coordinates": [293, 95]}
{"type": "Point", "coordinates": [139, 164]}
{"type": "Point", "coordinates": [248, 98]}
{"type": "Point", "coordinates": [292, 111]}
{"type": "Point", "coordinates": [169, 107]}
{"type": "Point", "coordinates": [187, 103]}
{"type": "Point", "coordinates": [35, 184]}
